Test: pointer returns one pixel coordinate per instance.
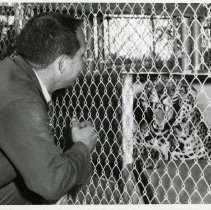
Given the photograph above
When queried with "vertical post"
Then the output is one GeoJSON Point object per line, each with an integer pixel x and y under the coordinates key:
{"type": "Point", "coordinates": [108, 28]}
{"type": "Point", "coordinates": [100, 42]}
{"type": "Point", "coordinates": [175, 35]}
{"type": "Point", "coordinates": [127, 119]}
{"type": "Point", "coordinates": [186, 44]}
{"type": "Point", "coordinates": [196, 59]}
{"type": "Point", "coordinates": [131, 192]}
{"type": "Point", "coordinates": [90, 40]}
{"type": "Point", "coordinates": [18, 19]}
{"type": "Point", "coordinates": [107, 47]}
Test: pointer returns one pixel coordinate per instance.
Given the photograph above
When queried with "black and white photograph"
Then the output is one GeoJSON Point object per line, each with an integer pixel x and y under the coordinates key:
{"type": "Point", "coordinates": [105, 103]}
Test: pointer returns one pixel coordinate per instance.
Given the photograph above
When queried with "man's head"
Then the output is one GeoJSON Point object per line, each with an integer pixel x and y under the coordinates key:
{"type": "Point", "coordinates": [53, 41]}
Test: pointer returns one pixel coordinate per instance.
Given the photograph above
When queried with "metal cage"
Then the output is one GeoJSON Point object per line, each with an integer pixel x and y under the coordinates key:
{"type": "Point", "coordinates": [147, 90]}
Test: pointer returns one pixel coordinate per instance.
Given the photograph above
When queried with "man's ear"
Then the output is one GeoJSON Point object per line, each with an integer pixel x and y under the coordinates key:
{"type": "Point", "coordinates": [62, 63]}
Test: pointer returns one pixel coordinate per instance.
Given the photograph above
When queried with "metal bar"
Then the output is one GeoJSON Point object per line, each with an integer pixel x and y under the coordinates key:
{"type": "Point", "coordinates": [175, 34]}
{"type": "Point", "coordinates": [196, 58]}
{"type": "Point", "coordinates": [186, 44]}
{"type": "Point", "coordinates": [173, 9]}
{"type": "Point", "coordinates": [100, 42]}
{"type": "Point", "coordinates": [90, 41]}
{"type": "Point", "coordinates": [167, 73]}
{"type": "Point", "coordinates": [18, 19]}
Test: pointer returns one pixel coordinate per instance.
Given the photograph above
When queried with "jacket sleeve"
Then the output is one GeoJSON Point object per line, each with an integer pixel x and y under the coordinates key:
{"type": "Point", "coordinates": [26, 140]}
{"type": "Point", "coordinates": [7, 171]}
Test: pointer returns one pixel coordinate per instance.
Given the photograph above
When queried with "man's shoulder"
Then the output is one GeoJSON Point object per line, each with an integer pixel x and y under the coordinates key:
{"type": "Point", "coordinates": [15, 85]}
{"type": "Point", "coordinates": [28, 101]}
{"type": "Point", "coordinates": [6, 63]}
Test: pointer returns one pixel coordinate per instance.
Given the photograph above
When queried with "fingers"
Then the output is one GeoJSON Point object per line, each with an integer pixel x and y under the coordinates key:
{"type": "Point", "coordinates": [84, 132]}
{"type": "Point", "coordinates": [81, 124]}
{"type": "Point", "coordinates": [86, 123]}
{"type": "Point", "coordinates": [75, 123]}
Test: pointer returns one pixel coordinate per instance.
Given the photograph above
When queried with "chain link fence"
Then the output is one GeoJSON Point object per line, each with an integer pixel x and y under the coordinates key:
{"type": "Point", "coordinates": [147, 91]}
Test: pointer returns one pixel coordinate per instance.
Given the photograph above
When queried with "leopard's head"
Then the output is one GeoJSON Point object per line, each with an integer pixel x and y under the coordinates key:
{"type": "Point", "coordinates": [159, 102]}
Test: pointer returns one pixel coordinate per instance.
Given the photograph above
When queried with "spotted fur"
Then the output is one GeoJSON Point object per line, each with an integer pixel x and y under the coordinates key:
{"type": "Point", "coordinates": [170, 124]}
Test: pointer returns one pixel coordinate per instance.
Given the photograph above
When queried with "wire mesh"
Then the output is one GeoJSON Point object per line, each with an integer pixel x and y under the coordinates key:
{"type": "Point", "coordinates": [154, 144]}
{"type": "Point", "coordinates": [7, 38]}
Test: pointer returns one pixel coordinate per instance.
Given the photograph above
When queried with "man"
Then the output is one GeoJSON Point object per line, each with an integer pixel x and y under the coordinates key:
{"type": "Point", "coordinates": [50, 54]}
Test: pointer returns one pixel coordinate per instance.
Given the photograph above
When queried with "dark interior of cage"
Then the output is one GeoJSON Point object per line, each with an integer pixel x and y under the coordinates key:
{"type": "Point", "coordinates": [94, 97]}
{"type": "Point", "coordinates": [172, 138]}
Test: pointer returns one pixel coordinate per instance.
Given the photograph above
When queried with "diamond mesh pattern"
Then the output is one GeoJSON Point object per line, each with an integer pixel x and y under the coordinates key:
{"type": "Point", "coordinates": [7, 23]}
{"type": "Point", "coordinates": [146, 89]}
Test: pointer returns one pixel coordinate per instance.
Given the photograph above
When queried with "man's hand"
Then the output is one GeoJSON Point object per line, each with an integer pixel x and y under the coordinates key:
{"type": "Point", "coordinates": [84, 133]}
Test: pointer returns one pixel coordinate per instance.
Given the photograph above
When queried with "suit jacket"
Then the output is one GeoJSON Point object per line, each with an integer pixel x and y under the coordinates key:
{"type": "Point", "coordinates": [26, 144]}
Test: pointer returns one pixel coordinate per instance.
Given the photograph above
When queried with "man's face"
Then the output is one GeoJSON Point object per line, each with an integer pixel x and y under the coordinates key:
{"type": "Point", "coordinates": [73, 66]}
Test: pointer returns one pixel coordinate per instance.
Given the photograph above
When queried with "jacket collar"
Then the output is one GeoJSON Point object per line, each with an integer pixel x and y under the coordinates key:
{"type": "Point", "coordinates": [24, 66]}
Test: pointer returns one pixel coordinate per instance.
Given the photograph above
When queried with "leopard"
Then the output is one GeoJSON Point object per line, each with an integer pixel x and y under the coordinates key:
{"type": "Point", "coordinates": [169, 123]}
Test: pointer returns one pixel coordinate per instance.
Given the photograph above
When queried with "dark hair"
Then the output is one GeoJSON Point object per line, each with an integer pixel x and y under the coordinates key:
{"type": "Point", "coordinates": [47, 36]}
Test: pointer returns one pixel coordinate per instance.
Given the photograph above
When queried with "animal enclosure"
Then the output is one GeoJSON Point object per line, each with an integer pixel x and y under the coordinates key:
{"type": "Point", "coordinates": [146, 88]}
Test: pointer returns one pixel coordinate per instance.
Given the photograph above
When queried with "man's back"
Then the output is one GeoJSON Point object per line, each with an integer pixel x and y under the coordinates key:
{"type": "Point", "coordinates": [16, 84]}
